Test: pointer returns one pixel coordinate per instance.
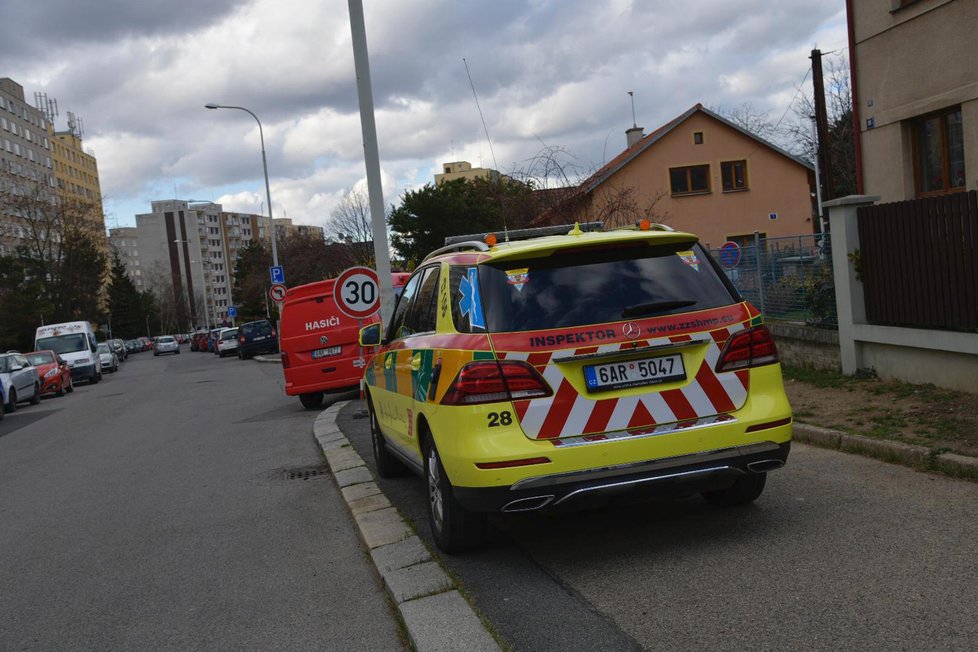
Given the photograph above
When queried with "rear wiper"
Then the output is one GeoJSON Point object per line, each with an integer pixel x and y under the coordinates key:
{"type": "Point", "coordinates": [645, 309]}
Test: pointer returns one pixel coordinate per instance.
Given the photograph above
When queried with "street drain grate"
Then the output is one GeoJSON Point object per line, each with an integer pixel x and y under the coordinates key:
{"type": "Point", "coordinates": [306, 472]}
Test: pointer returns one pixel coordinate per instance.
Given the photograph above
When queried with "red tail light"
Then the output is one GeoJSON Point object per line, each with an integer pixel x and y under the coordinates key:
{"type": "Point", "coordinates": [274, 334]}
{"type": "Point", "coordinates": [753, 347]}
{"type": "Point", "coordinates": [285, 360]}
{"type": "Point", "coordinates": [489, 381]}
{"type": "Point", "coordinates": [241, 339]}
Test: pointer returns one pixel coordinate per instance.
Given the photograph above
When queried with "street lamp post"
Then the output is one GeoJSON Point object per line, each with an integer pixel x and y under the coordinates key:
{"type": "Point", "coordinates": [264, 162]}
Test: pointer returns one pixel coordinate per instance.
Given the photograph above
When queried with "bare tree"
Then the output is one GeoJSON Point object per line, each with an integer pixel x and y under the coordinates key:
{"type": "Point", "coordinates": [58, 241]}
{"type": "Point", "coordinates": [350, 224]}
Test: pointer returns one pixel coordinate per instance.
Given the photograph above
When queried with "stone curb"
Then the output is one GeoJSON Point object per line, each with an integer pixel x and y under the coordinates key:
{"type": "Point", "coordinates": [918, 457]}
{"type": "Point", "coordinates": [435, 614]}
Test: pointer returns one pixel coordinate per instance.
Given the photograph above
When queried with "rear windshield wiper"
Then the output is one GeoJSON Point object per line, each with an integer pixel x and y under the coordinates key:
{"type": "Point", "coordinates": [645, 309]}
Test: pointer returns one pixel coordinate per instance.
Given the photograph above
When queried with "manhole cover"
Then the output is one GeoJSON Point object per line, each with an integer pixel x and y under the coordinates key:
{"type": "Point", "coordinates": [307, 472]}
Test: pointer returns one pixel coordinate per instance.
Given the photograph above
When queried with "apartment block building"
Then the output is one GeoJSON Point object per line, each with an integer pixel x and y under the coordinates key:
{"type": "Point", "coordinates": [185, 252]}
{"type": "Point", "coordinates": [39, 163]}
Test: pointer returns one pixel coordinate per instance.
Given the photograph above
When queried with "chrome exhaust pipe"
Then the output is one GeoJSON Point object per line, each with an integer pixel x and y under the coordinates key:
{"type": "Point", "coordinates": [527, 504]}
{"type": "Point", "coordinates": [763, 466]}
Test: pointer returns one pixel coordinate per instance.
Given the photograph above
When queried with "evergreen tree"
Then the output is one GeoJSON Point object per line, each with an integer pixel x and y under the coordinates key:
{"type": "Point", "coordinates": [427, 215]}
{"type": "Point", "coordinates": [125, 303]}
{"type": "Point", "coordinates": [251, 281]}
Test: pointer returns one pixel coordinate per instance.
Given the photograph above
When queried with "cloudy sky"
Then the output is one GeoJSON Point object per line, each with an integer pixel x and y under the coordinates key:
{"type": "Point", "coordinates": [547, 72]}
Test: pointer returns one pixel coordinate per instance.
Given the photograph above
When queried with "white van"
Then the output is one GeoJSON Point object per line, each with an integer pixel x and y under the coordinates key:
{"type": "Point", "coordinates": [75, 342]}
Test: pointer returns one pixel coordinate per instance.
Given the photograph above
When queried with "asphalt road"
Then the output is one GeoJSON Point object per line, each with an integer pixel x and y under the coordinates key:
{"type": "Point", "coordinates": [155, 511]}
{"type": "Point", "coordinates": [840, 552]}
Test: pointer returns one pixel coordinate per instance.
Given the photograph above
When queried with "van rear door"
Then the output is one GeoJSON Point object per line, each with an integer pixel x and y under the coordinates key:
{"type": "Point", "coordinates": [319, 344]}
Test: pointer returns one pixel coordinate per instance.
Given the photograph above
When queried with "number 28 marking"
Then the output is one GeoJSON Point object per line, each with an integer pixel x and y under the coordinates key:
{"type": "Point", "coordinates": [497, 419]}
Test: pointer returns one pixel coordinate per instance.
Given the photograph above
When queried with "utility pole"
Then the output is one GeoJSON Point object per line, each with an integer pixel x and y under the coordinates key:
{"type": "Point", "coordinates": [822, 126]}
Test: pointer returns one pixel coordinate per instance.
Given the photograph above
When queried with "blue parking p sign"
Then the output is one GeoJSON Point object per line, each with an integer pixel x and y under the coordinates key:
{"type": "Point", "coordinates": [278, 274]}
{"type": "Point", "coordinates": [232, 311]}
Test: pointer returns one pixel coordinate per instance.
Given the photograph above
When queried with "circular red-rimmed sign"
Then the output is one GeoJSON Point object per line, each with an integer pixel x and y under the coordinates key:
{"type": "Point", "coordinates": [729, 254]}
{"type": "Point", "coordinates": [277, 292]}
{"type": "Point", "coordinates": [357, 292]}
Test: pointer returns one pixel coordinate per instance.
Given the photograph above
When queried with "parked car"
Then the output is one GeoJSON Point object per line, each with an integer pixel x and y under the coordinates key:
{"type": "Point", "coordinates": [110, 361]}
{"type": "Point", "coordinates": [256, 337]}
{"type": "Point", "coordinates": [119, 348]}
{"type": "Point", "coordinates": [200, 341]}
{"type": "Point", "coordinates": [562, 371]}
{"type": "Point", "coordinates": [227, 343]}
{"type": "Point", "coordinates": [212, 337]}
{"type": "Point", "coordinates": [166, 344]}
{"type": "Point", "coordinates": [53, 371]}
{"type": "Point", "coordinates": [19, 379]}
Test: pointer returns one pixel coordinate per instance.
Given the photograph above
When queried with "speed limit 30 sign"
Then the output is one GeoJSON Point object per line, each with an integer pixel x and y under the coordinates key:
{"type": "Point", "coordinates": [357, 292]}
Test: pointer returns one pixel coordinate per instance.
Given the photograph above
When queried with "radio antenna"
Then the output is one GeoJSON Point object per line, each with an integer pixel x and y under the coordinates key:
{"type": "Point", "coordinates": [495, 165]}
{"type": "Point", "coordinates": [484, 127]}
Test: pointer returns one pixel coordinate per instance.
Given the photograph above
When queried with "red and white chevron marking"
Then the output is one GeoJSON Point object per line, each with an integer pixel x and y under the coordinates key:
{"type": "Point", "coordinates": [568, 413]}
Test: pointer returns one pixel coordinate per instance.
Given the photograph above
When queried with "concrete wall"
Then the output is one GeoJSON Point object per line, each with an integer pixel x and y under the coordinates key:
{"type": "Point", "coordinates": [914, 355]}
{"type": "Point", "coordinates": [805, 346]}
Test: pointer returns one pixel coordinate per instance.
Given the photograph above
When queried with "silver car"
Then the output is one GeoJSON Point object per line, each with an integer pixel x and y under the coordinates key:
{"type": "Point", "coordinates": [227, 343]}
{"type": "Point", "coordinates": [19, 379]}
{"type": "Point", "coordinates": [108, 357]}
{"type": "Point", "coordinates": [166, 344]}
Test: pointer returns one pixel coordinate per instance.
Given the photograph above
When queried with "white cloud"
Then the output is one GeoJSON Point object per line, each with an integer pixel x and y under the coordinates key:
{"type": "Point", "coordinates": [139, 75]}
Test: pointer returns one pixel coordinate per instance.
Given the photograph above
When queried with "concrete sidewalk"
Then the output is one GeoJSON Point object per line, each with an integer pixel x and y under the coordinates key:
{"type": "Point", "coordinates": [435, 614]}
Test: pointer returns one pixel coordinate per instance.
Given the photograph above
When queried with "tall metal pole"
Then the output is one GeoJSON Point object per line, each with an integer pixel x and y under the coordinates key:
{"type": "Point", "coordinates": [375, 189]}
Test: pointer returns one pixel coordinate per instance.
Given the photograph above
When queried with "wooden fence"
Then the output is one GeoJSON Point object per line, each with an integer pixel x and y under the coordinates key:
{"type": "Point", "coordinates": [918, 261]}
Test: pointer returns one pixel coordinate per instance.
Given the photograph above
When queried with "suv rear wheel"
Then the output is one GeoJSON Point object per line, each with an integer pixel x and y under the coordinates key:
{"type": "Point", "coordinates": [745, 490]}
{"type": "Point", "coordinates": [37, 395]}
{"type": "Point", "coordinates": [11, 405]}
{"type": "Point", "coordinates": [454, 528]}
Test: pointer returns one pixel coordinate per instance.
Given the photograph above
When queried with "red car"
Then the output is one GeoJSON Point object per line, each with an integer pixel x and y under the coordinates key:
{"type": "Point", "coordinates": [54, 372]}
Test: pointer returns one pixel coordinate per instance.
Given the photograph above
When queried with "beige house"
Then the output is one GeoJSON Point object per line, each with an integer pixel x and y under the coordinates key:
{"type": "Point", "coordinates": [464, 170]}
{"type": "Point", "coordinates": [915, 96]}
{"type": "Point", "coordinates": [699, 173]}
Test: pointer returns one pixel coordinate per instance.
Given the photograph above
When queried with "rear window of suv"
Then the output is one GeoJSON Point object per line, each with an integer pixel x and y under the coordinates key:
{"type": "Point", "coordinates": [576, 288]}
{"type": "Point", "coordinates": [253, 329]}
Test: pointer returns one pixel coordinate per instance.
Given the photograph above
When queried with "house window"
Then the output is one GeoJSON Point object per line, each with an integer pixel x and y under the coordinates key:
{"type": "Point", "coordinates": [938, 142]}
{"type": "Point", "coordinates": [734, 175]}
{"type": "Point", "coordinates": [690, 179]}
{"type": "Point", "coordinates": [697, 137]}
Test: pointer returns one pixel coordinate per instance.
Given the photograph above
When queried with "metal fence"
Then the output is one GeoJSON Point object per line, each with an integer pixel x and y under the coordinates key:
{"type": "Point", "coordinates": [787, 279]}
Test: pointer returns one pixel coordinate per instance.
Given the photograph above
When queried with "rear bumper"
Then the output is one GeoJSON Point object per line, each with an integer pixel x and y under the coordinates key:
{"type": "Point", "coordinates": [254, 348]}
{"type": "Point", "coordinates": [669, 477]}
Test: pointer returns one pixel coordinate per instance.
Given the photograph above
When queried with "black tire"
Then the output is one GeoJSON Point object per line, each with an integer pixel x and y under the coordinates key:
{"type": "Point", "coordinates": [71, 386]}
{"type": "Point", "coordinates": [61, 389]}
{"type": "Point", "coordinates": [11, 405]}
{"type": "Point", "coordinates": [312, 400]}
{"type": "Point", "coordinates": [388, 466]}
{"type": "Point", "coordinates": [36, 399]}
{"type": "Point", "coordinates": [745, 490]}
{"type": "Point", "coordinates": [94, 379]}
{"type": "Point", "coordinates": [155, 354]}
{"type": "Point", "coordinates": [454, 528]}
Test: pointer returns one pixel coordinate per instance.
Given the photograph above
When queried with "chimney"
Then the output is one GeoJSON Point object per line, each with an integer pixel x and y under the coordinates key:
{"type": "Point", "coordinates": [634, 135]}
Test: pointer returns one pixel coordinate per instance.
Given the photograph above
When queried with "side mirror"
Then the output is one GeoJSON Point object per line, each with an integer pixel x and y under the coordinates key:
{"type": "Point", "coordinates": [370, 335]}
